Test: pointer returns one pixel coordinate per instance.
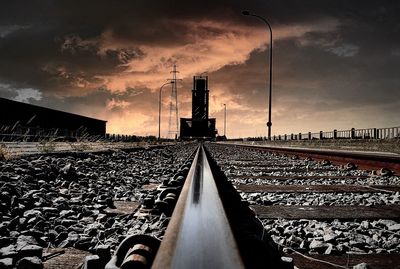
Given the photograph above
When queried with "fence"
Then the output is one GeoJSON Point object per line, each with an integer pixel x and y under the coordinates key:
{"type": "Point", "coordinates": [369, 133]}
{"type": "Point", "coordinates": [23, 133]}
{"type": "Point", "coordinates": [18, 133]}
{"type": "Point", "coordinates": [130, 138]}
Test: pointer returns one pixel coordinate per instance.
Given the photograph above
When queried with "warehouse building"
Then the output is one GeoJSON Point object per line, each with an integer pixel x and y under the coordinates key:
{"type": "Point", "coordinates": [18, 118]}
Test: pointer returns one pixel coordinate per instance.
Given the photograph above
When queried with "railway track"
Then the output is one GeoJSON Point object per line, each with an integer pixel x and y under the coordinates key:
{"type": "Point", "coordinates": [212, 206]}
{"type": "Point", "coordinates": [210, 227]}
{"type": "Point", "coordinates": [199, 234]}
{"type": "Point", "coordinates": [337, 214]}
{"type": "Point", "coordinates": [319, 214]}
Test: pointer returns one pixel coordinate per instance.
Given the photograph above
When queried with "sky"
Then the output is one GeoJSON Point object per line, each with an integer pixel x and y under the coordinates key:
{"type": "Point", "coordinates": [336, 64]}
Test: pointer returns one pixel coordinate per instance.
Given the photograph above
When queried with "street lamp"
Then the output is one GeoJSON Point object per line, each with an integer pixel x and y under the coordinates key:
{"type": "Point", "coordinates": [159, 108]}
{"type": "Point", "coordinates": [225, 120]}
{"type": "Point", "coordinates": [269, 123]}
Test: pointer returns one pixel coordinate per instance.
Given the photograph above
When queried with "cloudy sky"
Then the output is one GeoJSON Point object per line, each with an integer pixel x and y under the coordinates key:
{"type": "Point", "coordinates": [336, 63]}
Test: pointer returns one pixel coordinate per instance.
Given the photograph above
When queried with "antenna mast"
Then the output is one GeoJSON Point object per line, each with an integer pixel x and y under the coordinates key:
{"type": "Point", "coordinates": [173, 125]}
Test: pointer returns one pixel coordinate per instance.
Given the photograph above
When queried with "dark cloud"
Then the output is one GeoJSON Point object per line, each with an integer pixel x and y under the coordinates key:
{"type": "Point", "coordinates": [72, 54]}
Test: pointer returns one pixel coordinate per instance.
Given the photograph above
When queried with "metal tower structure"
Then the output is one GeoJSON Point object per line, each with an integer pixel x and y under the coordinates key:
{"type": "Point", "coordinates": [173, 127]}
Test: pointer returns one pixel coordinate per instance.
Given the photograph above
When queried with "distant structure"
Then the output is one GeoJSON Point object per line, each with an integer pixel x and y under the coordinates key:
{"type": "Point", "coordinates": [18, 118]}
{"type": "Point", "coordinates": [173, 107]}
{"type": "Point", "coordinates": [199, 126]}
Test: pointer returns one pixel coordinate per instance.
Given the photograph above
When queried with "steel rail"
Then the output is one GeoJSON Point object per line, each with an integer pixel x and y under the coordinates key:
{"type": "Point", "coordinates": [363, 160]}
{"type": "Point", "coordinates": [198, 234]}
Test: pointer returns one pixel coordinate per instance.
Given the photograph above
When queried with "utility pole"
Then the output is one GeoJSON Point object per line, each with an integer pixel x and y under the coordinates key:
{"type": "Point", "coordinates": [269, 123]}
{"type": "Point", "coordinates": [225, 120]}
{"type": "Point", "coordinates": [159, 108]}
{"type": "Point", "coordinates": [173, 124]}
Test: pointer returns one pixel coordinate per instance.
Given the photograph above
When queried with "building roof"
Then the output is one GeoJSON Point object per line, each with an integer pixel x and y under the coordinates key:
{"type": "Point", "coordinates": [5, 100]}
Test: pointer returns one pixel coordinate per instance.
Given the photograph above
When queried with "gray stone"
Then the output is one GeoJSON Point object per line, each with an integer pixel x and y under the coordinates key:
{"type": "Point", "coordinates": [30, 251]}
{"type": "Point", "coordinates": [365, 224]}
{"type": "Point", "coordinates": [361, 266]}
{"type": "Point", "coordinates": [6, 263]}
{"type": "Point", "coordinates": [59, 200]}
{"type": "Point", "coordinates": [52, 210]}
{"type": "Point", "coordinates": [390, 244]}
{"type": "Point", "coordinates": [66, 213]}
{"type": "Point", "coordinates": [29, 263]}
{"type": "Point", "coordinates": [73, 237]}
{"type": "Point", "coordinates": [25, 240]}
{"type": "Point", "coordinates": [83, 243]}
{"type": "Point", "coordinates": [8, 252]}
{"type": "Point", "coordinates": [64, 244]}
{"type": "Point", "coordinates": [32, 213]}
{"type": "Point", "coordinates": [357, 243]}
{"type": "Point", "coordinates": [387, 222]}
{"type": "Point", "coordinates": [330, 237]}
{"type": "Point", "coordinates": [316, 245]}
{"type": "Point", "coordinates": [67, 168]}
{"type": "Point", "coordinates": [91, 262]}
{"type": "Point", "coordinates": [287, 259]}
{"type": "Point", "coordinates": [295, 239]}
{"type": "Point", "coordinates": [304, 244]}
{"type": "Point", "coordinates": [68, 222]}
{"type": "Point", "coordinates": [394, 227]}
{"type": "Point", "coordinates": [103, 251]}
{"type": "Point", "coordinates": [329, 249]}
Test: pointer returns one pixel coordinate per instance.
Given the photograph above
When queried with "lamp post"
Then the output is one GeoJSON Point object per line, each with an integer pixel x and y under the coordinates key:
{"type": "Point", "coordinates": [225, 120]}
{"type": "Point", "coordinates": [159, 108]}
{"type": "Point", "coordinates": [269, 123]}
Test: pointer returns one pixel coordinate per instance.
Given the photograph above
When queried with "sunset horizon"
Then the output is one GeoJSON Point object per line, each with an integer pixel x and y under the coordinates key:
{"type": "Point", "coordinates": [334, 64]}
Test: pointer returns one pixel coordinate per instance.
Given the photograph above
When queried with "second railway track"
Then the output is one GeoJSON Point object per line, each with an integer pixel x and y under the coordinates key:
{"type": "Point", "coordinates": [337, 214]}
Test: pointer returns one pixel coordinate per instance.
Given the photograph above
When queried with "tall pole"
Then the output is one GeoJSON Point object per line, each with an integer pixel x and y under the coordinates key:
{"type": "Point", "coordinates": [159, 108]}
{"type": "Point", "coordinates": [225, 120]}
{"type": "Point", "coordinates": [173, 126]}
{"type": "Point", "coordinates": [269, 123]}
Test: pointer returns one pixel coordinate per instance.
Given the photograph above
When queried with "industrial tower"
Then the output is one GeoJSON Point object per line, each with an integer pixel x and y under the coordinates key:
{"type": "Point", "coordinates": [200, 125]}
{"type": "Point", "coordinates": [173, 126]}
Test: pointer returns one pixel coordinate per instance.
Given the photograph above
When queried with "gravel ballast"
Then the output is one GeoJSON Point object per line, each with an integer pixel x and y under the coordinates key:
{"type": "Point", "coordinates": [68, 201]}
{"type": "Point", "coordinates": [244, 166]}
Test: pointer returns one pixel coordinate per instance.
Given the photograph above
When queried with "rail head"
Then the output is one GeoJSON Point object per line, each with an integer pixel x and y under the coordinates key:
{"type": "Point", "coordinates": [199, 234]}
